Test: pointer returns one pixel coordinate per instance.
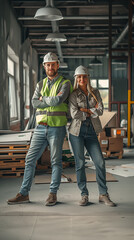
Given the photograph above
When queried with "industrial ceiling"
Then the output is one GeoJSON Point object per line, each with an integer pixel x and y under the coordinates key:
{"type": "Point", "coordinates": [85, 25]}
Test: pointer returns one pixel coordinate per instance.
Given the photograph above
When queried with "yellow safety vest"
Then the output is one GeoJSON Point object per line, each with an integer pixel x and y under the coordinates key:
{"type": "Point", "coordinates": [54, 116]}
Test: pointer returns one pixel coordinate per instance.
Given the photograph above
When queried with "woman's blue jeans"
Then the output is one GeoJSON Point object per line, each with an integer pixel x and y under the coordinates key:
{"type": "Point", "coordinates": [42, 137]}
{"type": "Point", "coordinates": [88, 139]}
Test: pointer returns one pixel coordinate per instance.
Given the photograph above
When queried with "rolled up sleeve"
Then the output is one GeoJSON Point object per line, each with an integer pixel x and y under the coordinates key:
{"type": "Point", "coordinates": [35, 99]}
{"type": "Point", "coordinates": [54, 101]}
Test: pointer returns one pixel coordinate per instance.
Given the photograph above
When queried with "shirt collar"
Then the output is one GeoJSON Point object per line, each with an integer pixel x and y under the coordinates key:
{"type": "Point", "coordinates": [53, 80]}
{"type": "Point", "coordinates": [80, 91]}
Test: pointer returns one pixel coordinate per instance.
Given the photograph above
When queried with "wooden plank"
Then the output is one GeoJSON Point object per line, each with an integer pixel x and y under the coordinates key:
{"type": "Point", "coordinates": [9, 174]}
{"type": "Point", "coordinates": [42, 167]}
{"type": "Point", "coordinates": [9, 151]}
{"type": "Point", "coordinates": [13, 157]}
{"type": "Point", "coordinates": [12, 168]}
{"type": "Point", "coordinates": [12, 146]}
{"type": "Point", "coordinates": [113, 154]}
{"type": "Point", "coordinates": [5, 162]}
{"type": "Point", "coordinates": [14, 164]}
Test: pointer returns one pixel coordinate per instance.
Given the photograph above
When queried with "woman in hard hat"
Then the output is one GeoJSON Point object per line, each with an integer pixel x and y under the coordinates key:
{"type": "Point", "coordinates": [85, 108]}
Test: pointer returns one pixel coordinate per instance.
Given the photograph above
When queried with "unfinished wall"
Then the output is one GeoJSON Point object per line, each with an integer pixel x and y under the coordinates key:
{"type": "Point", "coordinates": [10, 34]}
{"type": "Point", "coordinates": [29, 56]}
{"type": "Point", "coordinates": [4, 33]}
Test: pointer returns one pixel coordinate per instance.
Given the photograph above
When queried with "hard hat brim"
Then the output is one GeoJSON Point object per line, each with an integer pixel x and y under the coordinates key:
{"type": "Point", "coordinates": [52, 61]}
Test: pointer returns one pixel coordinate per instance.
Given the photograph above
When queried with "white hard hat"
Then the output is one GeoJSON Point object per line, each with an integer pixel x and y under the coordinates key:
{"type": "Point", "coordinates": [50, 57]}
{"type": "Point", "coordinates": [81, 70]}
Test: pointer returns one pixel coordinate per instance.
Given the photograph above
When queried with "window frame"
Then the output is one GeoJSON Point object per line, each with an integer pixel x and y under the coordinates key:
{"type": "Point", "coordinates": [101, 88]}
{"type": "Point", "coordinates": [15, 90]}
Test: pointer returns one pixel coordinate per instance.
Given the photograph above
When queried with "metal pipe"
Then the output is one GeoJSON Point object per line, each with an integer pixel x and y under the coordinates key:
{"type": "Point", "coordinates": [55, 28]}
{"type": "Point", "coordinates": [110, 55]}
{"type": "Point", "coordinates": [129, 73]}
{"type": "Point", "coordinates": [122, 35]}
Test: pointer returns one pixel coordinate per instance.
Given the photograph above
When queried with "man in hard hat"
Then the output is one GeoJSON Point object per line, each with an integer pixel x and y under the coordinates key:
{"type": "Point", "coordinates": [51, 102]}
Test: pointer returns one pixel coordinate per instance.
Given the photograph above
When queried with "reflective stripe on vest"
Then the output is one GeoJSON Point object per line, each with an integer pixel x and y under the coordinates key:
{"type": "Point", "coordinates": [51, 113]}
{"type": "Point", "coordinates": [55, 115]}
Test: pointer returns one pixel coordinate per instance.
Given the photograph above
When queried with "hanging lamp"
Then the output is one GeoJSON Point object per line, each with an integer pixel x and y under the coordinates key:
{"type": "Point", "coordinates": [56, 36]}
{"type": "Point", "coordinates": [96, 62]}
{"type": "Point", "coordinates": [48, 13]}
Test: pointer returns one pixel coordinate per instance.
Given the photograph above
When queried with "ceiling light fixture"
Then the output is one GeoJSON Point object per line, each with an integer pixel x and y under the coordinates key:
{"type": "Point", "coordinates": [119, 61]}
{"type": "Point", "coordinates": [56, 36]}
{"type": "Point", "coordinates": [95, 62]}
{"type": "Point", "coordinates": [63, 65]}
{"type": "Point", "coordinates": [48, 13]}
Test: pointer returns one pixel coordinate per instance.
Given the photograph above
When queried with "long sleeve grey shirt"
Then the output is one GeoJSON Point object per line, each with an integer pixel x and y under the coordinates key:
{"type": "Point", "coordinates": [50, 101]}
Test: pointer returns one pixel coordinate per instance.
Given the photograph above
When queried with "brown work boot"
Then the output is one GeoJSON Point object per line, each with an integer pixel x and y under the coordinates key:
{"type": "Point", "coordinates": [51, 200]}
{"type": "Point", "coordinates": [18, 199]}
{"type": "Point", "coordinates": [106, 200]}
{"type": "Point", "coordinates": [84, 200]}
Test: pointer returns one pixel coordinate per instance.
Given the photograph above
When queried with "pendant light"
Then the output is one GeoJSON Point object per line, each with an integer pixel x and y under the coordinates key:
{"type": "Point", "coordinates": [48, 13]}
{"type": "Point", "coordinates": [95, 62]}
{"type": "Point", "coordinates": [63, 65]}
{"type": "Point", "coordinates": [56, 36]}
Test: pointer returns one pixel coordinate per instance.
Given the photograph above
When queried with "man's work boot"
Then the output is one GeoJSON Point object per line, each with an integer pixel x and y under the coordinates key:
{"type": "Point", "coordinates": [51, 200]}
{"type": "Point", "coordinates": [18, 199]}
{"type": "Point", "coordinates": [106, 200]}
{"type": "Point", "coordinates": [84, 200]}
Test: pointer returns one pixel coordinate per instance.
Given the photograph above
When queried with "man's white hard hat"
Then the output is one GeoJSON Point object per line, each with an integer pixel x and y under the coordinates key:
{"type": "Point", "coordinates": [50, 57]}
{"type": "Point", "coordinates": [81, 70]}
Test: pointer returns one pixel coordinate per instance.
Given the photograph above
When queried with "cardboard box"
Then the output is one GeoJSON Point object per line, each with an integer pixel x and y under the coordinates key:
{"type": "Point", "coordinates": [66, 145]}
{"type": "Point", "coordinates": [118, 132]}
{"type": "Point", "coordinates": [108, 119]}
{"type": "Point", "coordinates": [103, 149]}
{"type": "Point", "coordinates": [102, 135]}
{"type": "Point", "coordinates": [103, 140]}
{"type": "Point", "coordinates": [115, 144]}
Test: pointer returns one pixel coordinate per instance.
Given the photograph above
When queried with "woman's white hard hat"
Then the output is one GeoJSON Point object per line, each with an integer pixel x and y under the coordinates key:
{"type": "Point", "coordinates": [81, 70]}
{"type": "Point", "coordinates": [50, 57]}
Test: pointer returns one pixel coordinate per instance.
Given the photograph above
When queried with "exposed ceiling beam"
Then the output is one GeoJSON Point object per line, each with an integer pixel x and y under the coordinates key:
{"type": "Point", "coordinates": [88, 55]}
{"type": "Point", "coordinates": [80, 18]}
{"type": "Point", "coordinates": [63, 25]}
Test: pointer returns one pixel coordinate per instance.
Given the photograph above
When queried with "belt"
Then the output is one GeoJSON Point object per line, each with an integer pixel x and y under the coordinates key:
{"type": "Point", "coordinates": [43, 123]}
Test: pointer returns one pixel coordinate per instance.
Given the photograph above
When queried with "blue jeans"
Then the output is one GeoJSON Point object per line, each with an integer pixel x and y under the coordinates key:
{"type": "Point", "coordinates": [42, 137]}
{"type": "Point", "coordinates": [88, 139]}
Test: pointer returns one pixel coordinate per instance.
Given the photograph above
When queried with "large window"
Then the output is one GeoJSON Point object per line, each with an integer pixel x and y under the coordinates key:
{"type": "Point", "coordinates": [103, 86]}
{"type": "Point", "coordinates": [12, 90]}
{"type": "Point", "coordinates": [26, 92]}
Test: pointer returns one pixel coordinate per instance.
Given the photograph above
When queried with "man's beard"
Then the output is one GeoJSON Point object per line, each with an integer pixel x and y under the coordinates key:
{"type": "Point", "coordinates": [52, 73]}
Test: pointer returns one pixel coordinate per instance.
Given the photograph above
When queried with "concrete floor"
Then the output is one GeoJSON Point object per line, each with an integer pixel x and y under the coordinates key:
{"type": "Point", "coordinates": [67, 220]}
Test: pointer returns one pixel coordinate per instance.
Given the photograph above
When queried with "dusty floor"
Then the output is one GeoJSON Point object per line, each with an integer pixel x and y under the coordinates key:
{"type": "Point", "coordinates": [67, 220]}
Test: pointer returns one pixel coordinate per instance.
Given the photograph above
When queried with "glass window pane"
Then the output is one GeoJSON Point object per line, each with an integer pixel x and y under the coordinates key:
{"type": "Point", "coordinates": [114, 107]}
{"type": "Point", "coordinates": [12, 99]}
{"type": "Point", "coordinates": [103, 83]}
{"type": "Point", "coordinates": [26, 92]}
{"type": "Point", "coordinates": [104, 95]}
{"type": "Point", "coordinates": [24, 84]}
{"type": "Point", "coordinates": [93, 83]}
{"type": "Point", "coordinates": [10, 67]}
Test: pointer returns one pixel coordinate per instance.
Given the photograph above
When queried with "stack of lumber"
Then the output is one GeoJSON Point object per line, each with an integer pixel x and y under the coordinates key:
{"type": "Point", "coordinates": [13, 150]}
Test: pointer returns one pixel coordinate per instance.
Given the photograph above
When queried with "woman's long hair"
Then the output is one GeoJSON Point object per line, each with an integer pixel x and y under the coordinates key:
{"type": "Point", "coordinates": [89, 87]}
